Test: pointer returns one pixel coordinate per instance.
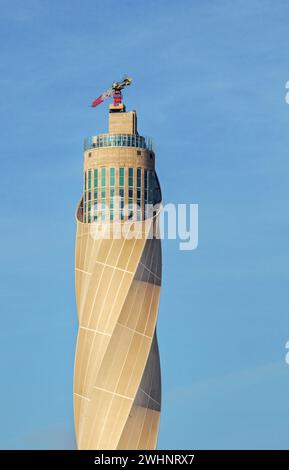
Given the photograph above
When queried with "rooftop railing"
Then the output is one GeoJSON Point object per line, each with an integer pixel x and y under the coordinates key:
{"type": "Point", "coordinates": [118, 140]}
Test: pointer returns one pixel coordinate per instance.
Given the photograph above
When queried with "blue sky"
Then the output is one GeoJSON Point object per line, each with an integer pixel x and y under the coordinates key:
{"type": "Point", "coordinates": [209, 86]}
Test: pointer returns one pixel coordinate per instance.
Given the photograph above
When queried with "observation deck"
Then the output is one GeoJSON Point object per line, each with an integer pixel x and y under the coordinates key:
{"type": "Point", "coordinates": [118, 140]}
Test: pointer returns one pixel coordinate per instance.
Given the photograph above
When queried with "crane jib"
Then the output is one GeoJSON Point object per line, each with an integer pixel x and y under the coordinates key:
{"type": "Point", "coordinates": [114, 91]}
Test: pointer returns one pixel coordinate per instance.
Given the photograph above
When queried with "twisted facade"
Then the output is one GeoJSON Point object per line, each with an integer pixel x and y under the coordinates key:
{"type": "Point", "coordinates": [117, 387]}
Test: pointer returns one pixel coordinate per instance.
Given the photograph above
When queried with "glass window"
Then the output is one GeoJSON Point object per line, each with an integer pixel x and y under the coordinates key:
{"type": "Point", "coordinates": [112, 176]}
{"type": "Point", "coordinates": [121, 199]}
{"type": "Point", "coordinates": [89, 179]}
{"type": "Point", "coordinates": [145, 186]}
{"type": "Point", "coordinates": [138, 193]}
{"type": "Point", "coordinates": [103, 209]}
{"type": "Point", "coordinates": [103, 176]}
{"type": "Point", "coordinates": [145, 179]}
{"type": "Point", "coordinates": [121, 177]}
{"type": "Point", "coordinates": [89, 213]}
{"type": "Point", "coordinates": [130, 192]}
{"type": "Point", "coordinates": [130, 177]}
{"type": "Point", "coordinates": [151, 187]}
{"type": "Point", "coordinates": [130, 213]}
{"type": "Point", "coordinates": [138, 177]}
{"type": "Point", "coordinates": [95, 178]}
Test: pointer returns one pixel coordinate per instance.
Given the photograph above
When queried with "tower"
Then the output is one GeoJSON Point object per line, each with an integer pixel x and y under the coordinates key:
{"type": "Point", "coordinates": [117, 386]}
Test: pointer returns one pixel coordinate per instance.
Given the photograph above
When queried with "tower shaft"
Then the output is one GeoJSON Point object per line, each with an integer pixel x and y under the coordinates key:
{"type": "Point", "coordinates": [117, 388]}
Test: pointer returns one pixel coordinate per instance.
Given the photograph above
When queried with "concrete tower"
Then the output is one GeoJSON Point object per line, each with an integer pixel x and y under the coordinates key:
{"type": "Point", "coordinates": [117, 387]}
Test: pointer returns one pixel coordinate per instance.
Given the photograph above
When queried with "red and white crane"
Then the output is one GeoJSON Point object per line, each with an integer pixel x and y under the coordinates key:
{"type": "Point", "coordinates": [114, 91]}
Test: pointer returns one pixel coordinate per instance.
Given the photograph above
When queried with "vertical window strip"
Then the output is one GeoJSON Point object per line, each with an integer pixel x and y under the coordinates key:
{"type": "Point", "coordinates": [121, 177]}
{"type": "Point", "coordinates": [103, 207]}
{"type": "Point", "coordinates": [111, 203]}
{"type": "Point", "coordinates": [138, 193]}
{"type": "Point", "coordinates": [130, 177]}
{"type": "Point", "coordinates": [111, 195]}
{"type": "Point", "coordinates": [130, 192]}
{"type": "Point", "coordinates": [89, 212]}
{"type": "Point", "coordinates": [103, 176]}
{"type": "Point", "coordinates": [95, 195]}
{"type": "Point", "coordinates": [112, 176]}
{"type": "Point", "coordinates": [89, 198]}
{"type": "Point", "coordinates": [145, 185]}
{"type": "Point", "coordinates": [121, 202]}
{"type": "Point", "coordinates": [151, 181]}
{"type": "Point", "coordinates": [103, 192]}
{"type": "Point", "coordinates": [95, 210]}
{"type": "Point", "coordinates": [138, 177]}
{"type": "Point", "coordinates": [121, 192]}
{"type": "Point", "coordinates": [95, 178]}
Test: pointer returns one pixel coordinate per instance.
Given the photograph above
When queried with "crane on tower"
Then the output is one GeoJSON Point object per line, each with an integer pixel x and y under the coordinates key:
{"type": "Point", "coordinates": [115, 91]}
